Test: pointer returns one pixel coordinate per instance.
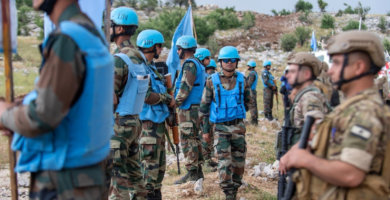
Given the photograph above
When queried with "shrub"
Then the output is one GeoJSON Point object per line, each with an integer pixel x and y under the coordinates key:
{"type": "Point", "coordinates": [40, 23]}
{"type": "Point", "coordinates": [248, 20]}
{"type": "Point", "coordinates": [304, 17]}
{"type": "Point", "coordinates": [354, 25]}
{"type": "Point", "coordinates": [339, 14]}
{"type": "Point", "coordinates": [362, 11]}
{"type": "Point", "coordinates": [289, 41]}
{"type": "Point", "coordinates": [23, 19]}
{"type": "Point", "coordinates": [386, 44]}
{"type": "Point", "coordinates": [214, 47]}
{"type": "Point", "coordinates": [349, 9]}
{"type": "Point", "coordinates": [382, 24]}
{"type": "Point", "coordinates": [388, 13]}
{"type": "Point", "coordinates": [303, 6]}
{"type": "Point", "coordinates": [322, 4]}
{"type": "Point", "coordinates": [282, 12]}
{"type": "Point", "coordinates": [302, 34]}
{"type": "Point", "coordinates": [223, 19]}
{"type": "Point", "coordinates": [327, 21]}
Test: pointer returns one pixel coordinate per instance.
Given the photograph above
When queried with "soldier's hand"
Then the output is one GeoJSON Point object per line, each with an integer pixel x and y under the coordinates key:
{"type": "Point", "coordinates": [172, 103]}
{"type": "Point", "coordinates": [296, 158]}
{"type": "Point", "coordinates": [206, 137]}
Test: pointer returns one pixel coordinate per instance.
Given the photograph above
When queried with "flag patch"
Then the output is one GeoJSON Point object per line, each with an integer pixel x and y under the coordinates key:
{"type": "Point", "coordinates": [361, 132]}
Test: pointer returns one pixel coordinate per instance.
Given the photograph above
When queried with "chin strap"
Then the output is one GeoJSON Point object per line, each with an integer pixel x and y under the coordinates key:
{"type": "Point", "coordinates": [296, 83]}
{"type": "Point", "coordinates": [156, 56]}
{"type": "Point", "coordinates": [47, 6]}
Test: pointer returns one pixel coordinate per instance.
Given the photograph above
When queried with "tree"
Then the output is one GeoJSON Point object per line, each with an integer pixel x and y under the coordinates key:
{"type": "Point", "coordinates": [148, 5]}
{"type": "Point", "coordinates": [322, 4]}
{"type": "Point", "coordinates": [386, 44]}
{"type": "Point", "coordinates": [248, 20]}
{"type": "Point", "coordinates": [327, 21]}
{"type": "Point", "coordinates": [382, 24]}
{"type": "Point", "coordinates": [223, 19]}
{"type": "Point", "coordinates": [304, 17]}
{"type": "Point", "coordinates": [349, 9]}
{"type": "Point", "coordinates": [289, 41]}
{"type": "Point", "coordinates": [133, 3]}
{"type": "Point", "coordinates": [362, 11]}
{"type": "Point", "coordinates": [183, 3]}
{"type": "Point", "coordinates": [303, 6]}
{"type": "Point", "coordinates": [354, 25]}
{"type": "Point", "coordinates": [302, 34]}
{"type": "Point", "coordinates": [339, 14]}
{"type": "Point", "coordinates": [282, 12]}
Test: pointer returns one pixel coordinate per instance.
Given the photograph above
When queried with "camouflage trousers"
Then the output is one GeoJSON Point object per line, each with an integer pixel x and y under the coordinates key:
{"type": "Point", "coordinates": [153, 154]}
{"type": "Point", "coordinates": [254, 112]}
{"type": "Point", "coordinates": [207, 147]}
{"type": "Point", "coordinates": [230, 145]}
{"type": "Point", "coordinates": [69, 184]}
{"type": "Point", "coordinates": [126, 175]}
{"type": "Point", "coordinates": [189, 137]}
{"type": "Point", "coordinates": [268, 100]}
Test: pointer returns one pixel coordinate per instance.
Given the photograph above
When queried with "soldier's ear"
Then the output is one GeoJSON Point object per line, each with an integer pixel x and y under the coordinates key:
{"type": "Point", "coordinates": [120, 29]}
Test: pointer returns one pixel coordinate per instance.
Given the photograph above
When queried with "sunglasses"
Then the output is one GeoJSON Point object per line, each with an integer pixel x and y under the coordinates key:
{"type": "Point", "coordinates": [232, 60]}
{"type": "Point", "coordinates": [207, 58]}
{"type": "Point", "coordinates": [159, 45]}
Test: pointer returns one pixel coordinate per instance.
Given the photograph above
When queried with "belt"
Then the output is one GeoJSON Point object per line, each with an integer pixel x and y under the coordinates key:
{"type": "Point", "coordinates": [230, 123]}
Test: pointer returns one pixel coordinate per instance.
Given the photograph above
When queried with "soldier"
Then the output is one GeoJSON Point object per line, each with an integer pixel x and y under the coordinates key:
{"type": "Point", "coordinates": [351, 156]}
{"type": "Point", "coordinates": [252, 78]}
{"type": "Point", "coordinates": [211, 68]}
{"type": "Point", "coordinates": [131, 84]}
{"type": "Point", "coordinates": [323, 82]}
{"type": "Point", "coordinates": [188, 93]}
{"type": "Point", "coordinates": [153, 116]}
{"type": "Point", "coordinates": [55, 139]}
{"type": "Point", "coordinates": [268, 91]}
{"type": "Point", "coordinates": [207, 147]}
{"type": "Point", "coordinates": [223, 103]}
{"type": "Point", "coordinates": [303, 70]}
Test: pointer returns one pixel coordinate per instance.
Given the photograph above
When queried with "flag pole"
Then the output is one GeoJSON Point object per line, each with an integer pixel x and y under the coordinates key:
{"type": "Point", "coordinates": [107, 22]}
{"type": "Point", "coordinates": [193, 22]}
{"type": "Point", "coordinates": [9, 90]}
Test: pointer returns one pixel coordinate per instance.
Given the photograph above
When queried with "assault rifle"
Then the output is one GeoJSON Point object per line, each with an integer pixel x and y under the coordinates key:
{"type": "Point", "coordinates": [175, 125]}
{"type": "Point", "coordinates": [290, 189]}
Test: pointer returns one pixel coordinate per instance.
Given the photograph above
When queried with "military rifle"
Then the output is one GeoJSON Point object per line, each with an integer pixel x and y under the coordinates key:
{"type": "Point", "coordinates": [175, 125]}
{"type": "Point", "coordinates": [290, 189]}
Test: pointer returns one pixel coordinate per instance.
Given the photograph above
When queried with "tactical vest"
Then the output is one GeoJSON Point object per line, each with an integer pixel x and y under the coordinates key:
{"type": "Point", "coordinates": [228, 104]}
{"type": "Point", "coordinates": [159, 112]}
{"type": "Point", "coordinates": [132, 100]}
{"type": "Point", "coordinates": [374, 186]}
{"type": "Point", "coordinates": [83, 136]}
{"type": "Point", "coordinates": [254, 84]}
{"type": "Point", "coordinates": [270, 78]}
{"type": "Point", "coordinates": [320, 84]}
{"type": "Point", "coordinates": [195, 95]}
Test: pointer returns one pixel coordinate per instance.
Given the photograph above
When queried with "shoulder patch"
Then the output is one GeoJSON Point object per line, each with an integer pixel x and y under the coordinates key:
{"type": "Point", "coordinates": [361, 132]}
{"type": "Point", "coordinates": [312, 107]}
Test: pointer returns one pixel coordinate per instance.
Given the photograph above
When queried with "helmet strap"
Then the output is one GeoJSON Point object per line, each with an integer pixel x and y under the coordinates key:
{"type": "Point", "coordinates": [47, 6]}
{"type": "Point", "coordinates": [296, 83]}
{"type": "Point", "coordinates": [154, 50]}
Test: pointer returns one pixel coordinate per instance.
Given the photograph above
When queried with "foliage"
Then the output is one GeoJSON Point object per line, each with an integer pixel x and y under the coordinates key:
{"type": "Point", "coordinates": [349, 9]}
{"type": "Point", "coordinates": [303, 6]}
{"type": "Point", "coordinates": [282, 12]}
{"type": "Point", "coordinates": [203, 30]}
{"type": "Point", "coordinates": [148, 5]}
{"type": "Point", "coordinates": [386, 44]}
{"type": "Point", "coordinates": [248, 20]}
{"type": "Point", "coordinates": [322, 4]}
{"type": "Point", "coordinates": [223, 19]}
{"type": "Point", "coordinates": [24, 18]}
{"type": "Point", "coordinates": [20, 3]}
{"type": "Point", "coordinates": [388, 13]}
{"type": "Point", "coordinates": [362, 11]}
{"type": "Point", "coordinates": [40, 23]}
{"type": "Point", "coordinates": [183, 3]}
{"type": "Point", "coordinates": [304, 17]}
{"type": "Point", "coordinates": [339, 14]}
{"type": "Point", "coordinates": [214, 47]}
{"type": "Point", "coordinates": [327, 21]}
{"type": "Point", "coordinates": [354, 25]}
{"type": "Point", "coordinates": [133, 3]}
{"type": "Point", "coordinates": [302, 34]}
{"type": "Point", "coordinates": [289, 41]}
{"type": "Point", "coordinates": [382, 24]}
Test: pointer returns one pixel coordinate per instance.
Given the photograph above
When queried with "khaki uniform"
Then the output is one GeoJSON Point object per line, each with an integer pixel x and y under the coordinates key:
{"type": "Point", "coordinates": [356, 132]}
{"type": "Point", "coordinates": [380, 83]}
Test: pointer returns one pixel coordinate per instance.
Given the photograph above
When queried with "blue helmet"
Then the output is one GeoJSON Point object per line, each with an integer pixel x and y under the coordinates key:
{"type": "Point", "coordinates": [124, 16]}
{"type": "Point", "coordinates": [212, 64]}
{"type": "Point", "coordinates": [228, 52]}
{"type": "Point", "coordinates": [149, 38]}
{"type": "Point", "coordinates": [251, 63]}
{"type": "Point", "coordinates": [202, 53]}
{"type": "Point", "coordinates": [186, 42]}
{"type": "Point", "coordinates": [267, 63]}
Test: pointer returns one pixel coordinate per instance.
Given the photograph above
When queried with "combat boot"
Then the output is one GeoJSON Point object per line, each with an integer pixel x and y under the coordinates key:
{"type": "Point", "coordinates": [210, 165]}
{"type": "Point", "coordinates": [157, 194]}
{"type": "Point", "coordinates": [200, 172]}
{"type": "Point", "coordinates": [192, 175]}
{"type": "Point", "coordinates": [229, 195]}
{"type": "Point", "coordinates": [151, 196]}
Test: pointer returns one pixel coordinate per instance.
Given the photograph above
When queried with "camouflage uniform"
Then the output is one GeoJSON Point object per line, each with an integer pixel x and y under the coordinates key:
{"type": "Point", "coordinates": [229, 140]}
{"type": "Point", "coordinates": [379, 82]}
{"type": "Point", "coordinates": [267, 94]}
{"type": "Point", "coordinates": [328, 88]}
{"type": "Point", "coordinates": [59, 86]}
{"type": "Point", "coordinates": [152, 143]}
{"type": "Point", "coordinates": [207, 148]}
{"type": "Point", "coordinates": [254, 112]}
{"type": "Point", "coordinates": [126, 174]}
{"type": "Point", "coordinates": [189, 121]}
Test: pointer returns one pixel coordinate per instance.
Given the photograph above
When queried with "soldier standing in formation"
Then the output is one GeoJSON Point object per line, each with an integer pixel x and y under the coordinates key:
{"type": "Point", "coordinates": [253, 77]}
{"type": "Point", "coordinates": [350, 147]}
{"type": "Point", "coordinates": [211, 68]}
{"type": "Point", "coordinates": [268, 91]}
{"type": "Point", "coordinates": [207, 147]}
{"type": "Point", "coordinates": [55, 139]}
{"type": "Point", "coordinates": [153, 116]}
{"type": "Point", "coordinates": [131, 84]}
{"type": "Point", "coordinates": [188, 93]}
{"type": "Point", "coordinates": [223, 103]}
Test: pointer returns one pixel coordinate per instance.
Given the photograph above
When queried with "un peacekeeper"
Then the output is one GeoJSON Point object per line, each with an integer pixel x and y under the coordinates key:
{"type": "Point", "coordinates": [269, 90]}
{"type": "Point", "coordinates": [153, 116]}
{"type": "Point", "coordinates": [350, 147]}
{"type": "Point", "coordinates": [253, 77]}
{"type": "Point", "coordinates": [303, 70]}
{"type": "Point", "coordinates": [131, 85]}
{"type": "Point", "coordinates": [57, 145]}
{"type": "Point", "coordinates": [211, 68]}
{"type": "Point", "coordinates": [188, 93]}
{"type": "Point", "coordinates": [323, 83]}
{"type": "Point", "coordinates": [224, 103]}
{"type": "Point", "coordinates": [203, 55]}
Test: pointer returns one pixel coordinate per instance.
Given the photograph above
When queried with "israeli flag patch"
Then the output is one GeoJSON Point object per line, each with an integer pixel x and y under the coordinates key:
{"type": "Point", "coordinates": [361, 132]}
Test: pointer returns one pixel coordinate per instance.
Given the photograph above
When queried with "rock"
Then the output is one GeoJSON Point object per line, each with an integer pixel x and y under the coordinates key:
{"type": "Point", "coordinates": [257, 171]}
{"type": "Point", "coordinates": [198, 188]}
{"type": "Point", "coordinates": [268, 169]}
{"type": "Point", "coordinates": [166, 175]}
{"type": "Point", "coordinates": [186, 193]}
{"type": "Point", "coordinates": [242, 198]}
{"type": "Point", "coordinates": [262, 165]}
{"type": "Point", "coordinates": [262, 179]}
{"type": "Point", "coordinates": [244, 184]}
{"type": "Point", "coordinates": [276, 125]}
{"type": "Point", "coordinates": [249, 134]}
{"type": "Point", "coordinates": [276, 165]}
{"type": "Point", "coordinates": [264, 129]}
{"type": "Point", "coordinates": [248, 163]}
